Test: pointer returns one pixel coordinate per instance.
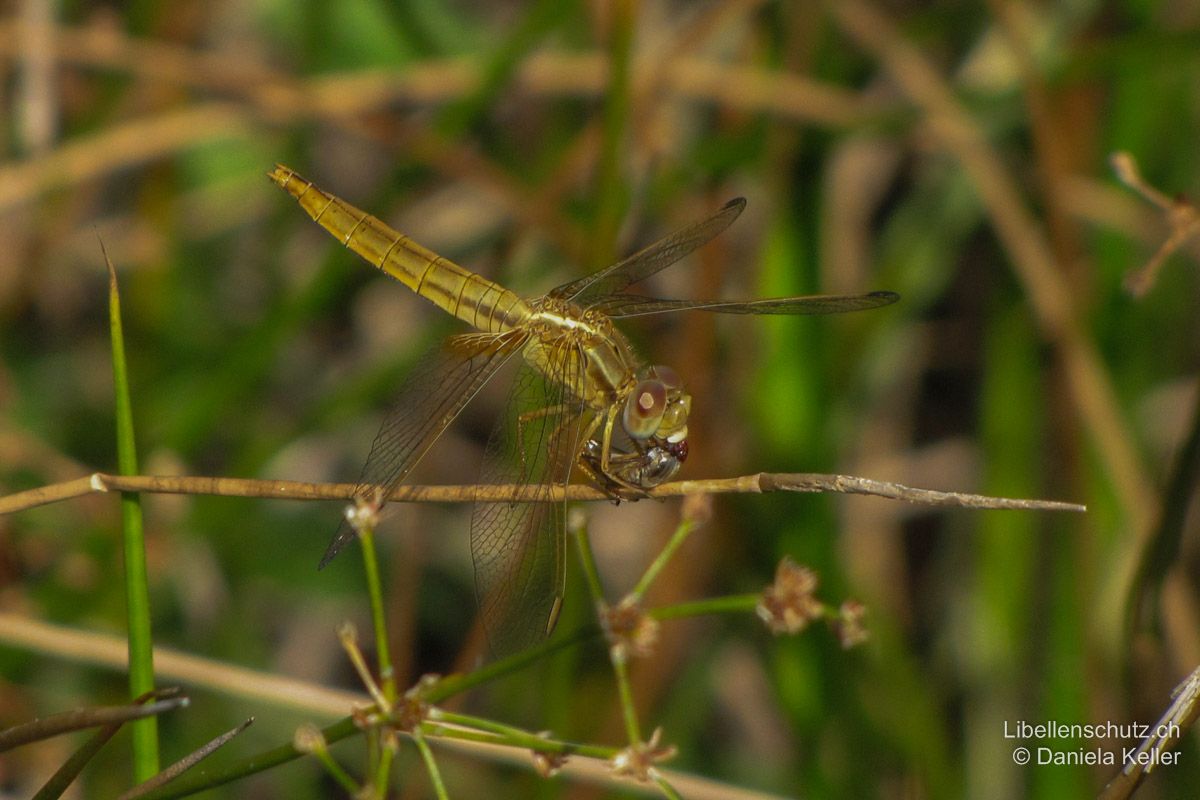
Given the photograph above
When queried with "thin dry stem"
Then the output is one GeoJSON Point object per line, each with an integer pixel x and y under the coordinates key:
{"type": "Point", "coordinates": [184, 764]}
{"type": "Point", "coordinates": [1165, 736]}
{"type": "Point", "coordinates": [36, 108]}
{"type": "Point", "coordinates": [120, 146]}
{"type": "Point", "coordinates": [82, 718]}
{"type": "Point", "coordinates": [1182, 217]}
{"type": "Point", "coordinates": [757, 483]}
{"type": "Point", "coordinates": [546, 73]}
{"type": "Point", "coordinates": [1127, 171]}
{"type": "Point", "coordinates": [172, 665]}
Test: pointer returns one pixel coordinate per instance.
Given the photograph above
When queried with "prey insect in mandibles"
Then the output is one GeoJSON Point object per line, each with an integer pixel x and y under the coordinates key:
{"type": "Point", "coordinates": [582, 398]}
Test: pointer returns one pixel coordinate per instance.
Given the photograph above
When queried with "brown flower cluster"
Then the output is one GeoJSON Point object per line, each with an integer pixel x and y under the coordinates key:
{"type": "Point", "coordinates": [790, 603]}
{"type": "Point", "coordinates": [630, 631]}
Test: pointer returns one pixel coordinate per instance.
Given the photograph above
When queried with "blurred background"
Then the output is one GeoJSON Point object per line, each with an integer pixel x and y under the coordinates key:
{"type": "Point", "coordinates": [956, 153]}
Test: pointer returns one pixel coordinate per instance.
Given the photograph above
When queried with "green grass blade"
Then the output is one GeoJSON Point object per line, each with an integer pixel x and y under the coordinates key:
{"type": "Point", "coordinates": [141, 643]}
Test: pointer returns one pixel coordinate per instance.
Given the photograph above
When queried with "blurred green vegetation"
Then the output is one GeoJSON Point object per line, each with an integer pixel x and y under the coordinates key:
{"type": "Point", "coordinates": [531, 142]}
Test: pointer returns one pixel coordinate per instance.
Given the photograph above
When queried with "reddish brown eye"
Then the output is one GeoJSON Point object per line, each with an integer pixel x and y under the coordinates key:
{"type": "Point", "coordinates": [644, 409]}
{"type": "Point", "coordinates": [667, 376]}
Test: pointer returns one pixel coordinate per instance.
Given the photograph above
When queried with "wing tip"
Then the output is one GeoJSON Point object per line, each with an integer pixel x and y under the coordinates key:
{"type": "Point", "coordinates": [336, 546]}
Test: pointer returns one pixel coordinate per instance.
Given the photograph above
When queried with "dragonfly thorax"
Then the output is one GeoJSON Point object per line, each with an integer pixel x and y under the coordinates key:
{"type": "Point", "coordinates": [652, 400]}
{"type": "Point", "coordinates": [582, 349]}
{"type": "Point", "coordinates": [639, 438]}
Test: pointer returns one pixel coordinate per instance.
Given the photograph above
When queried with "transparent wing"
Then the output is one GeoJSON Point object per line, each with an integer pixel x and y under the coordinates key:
{"type": "Point", "coordinates": [437, 389]}
{"type": "Point", "coordinates": [630, 305]}
{"type": "Point", "coordinates": [519, 549]}
{"type": "Point", "coordinates": [652, 259]}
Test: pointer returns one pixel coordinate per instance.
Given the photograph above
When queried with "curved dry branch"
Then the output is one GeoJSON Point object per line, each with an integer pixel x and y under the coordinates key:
{"type": "Point", "coordinates": [254, 94]}
{"type": "Point", "coordinates": [734, 86]}
{"type": "Point", "coordinates": [758, 483]}
{"type": "Point", "coordinates": [119, 146]}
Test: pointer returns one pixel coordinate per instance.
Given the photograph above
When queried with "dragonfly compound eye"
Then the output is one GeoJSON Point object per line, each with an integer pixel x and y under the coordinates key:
{"type": "Point", "coordinates": [673, 426]}
{"type": "Point", "coordinates": [668, 377]}
{"type": "Point", "coordinates": [644, 409]}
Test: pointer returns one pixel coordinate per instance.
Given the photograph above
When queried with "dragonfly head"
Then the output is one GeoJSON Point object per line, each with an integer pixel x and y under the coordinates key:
{"type": "Point", "coordinates": [658, 407]}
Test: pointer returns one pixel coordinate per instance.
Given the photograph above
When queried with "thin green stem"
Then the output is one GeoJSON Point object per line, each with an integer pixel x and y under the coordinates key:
{"type": "Point", "coordinates": [685, 527]}
{"type": "Point", "coordinates": [590, 574]}
{"type": "Point", "coordinates": [387, 754]}
{"type": "Point", "coordinates": [732, 604]}
{"type": "Point", "coordinates": [616, 653]}
{"type": "Point", "coordinates": [440, 731]}
{"type": "Point", "coordinates": [457, 684]}
{"type": "Point", "coordinates": [666, 788]}
{"type": "Point", "coordinates": [137, 582]}
{"type": "Point", "coordinates": [431, 766]}
{"type": "Point", "coordinates": [374, 750]}
{"type": "Point", "coordinates": [381, 753]}
{"type": "Point", "coordinates": [625, 692]}
{"type": "Point", "coordinates": [337, 772]}
{"type": "Point", "coordinates": [508, 735]}
{"type": "Point", "coordinates": [491, 726]}
{"type": "Point", "coordinates": [387, 676]}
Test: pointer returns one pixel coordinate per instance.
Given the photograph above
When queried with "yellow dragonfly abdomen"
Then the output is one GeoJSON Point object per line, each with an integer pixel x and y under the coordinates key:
{"type": "Point", "coordinates": [485, 305]}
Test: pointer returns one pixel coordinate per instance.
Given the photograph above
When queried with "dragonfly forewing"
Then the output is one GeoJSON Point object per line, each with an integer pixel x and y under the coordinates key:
{"type": "Point", "coordinates": [631, 305]}
{"type": "Point", "coordinates": [651, 259]}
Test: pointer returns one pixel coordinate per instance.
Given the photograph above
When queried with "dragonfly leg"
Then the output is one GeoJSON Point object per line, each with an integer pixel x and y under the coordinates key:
{"type": "Point", "coordinates": [602, 482]}
{"type": "Point", "coordinates": [612, 484]}
{"type": "Point", "coordinates": [604, 474]}
{"type": "Point", "coordinates": [581, 462]}
{"type": "Point", "coordinates": [610, 420]}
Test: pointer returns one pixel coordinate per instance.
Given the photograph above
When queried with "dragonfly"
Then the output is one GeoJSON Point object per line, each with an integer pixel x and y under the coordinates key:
{"type": "Point", "coordinates": [582, 399]}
